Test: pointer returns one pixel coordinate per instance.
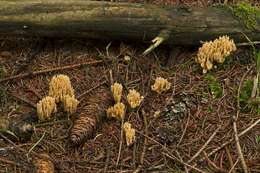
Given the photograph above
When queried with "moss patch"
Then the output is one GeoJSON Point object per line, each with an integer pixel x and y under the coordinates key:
{"type": "Point", "coordinates": [246, 92]}
{"type": "Point", "coordinates": [214, 86]}
{"type": "Point", "coordinates": [247, 13]}
{"type": "Point", "coordinates": [2, 71]}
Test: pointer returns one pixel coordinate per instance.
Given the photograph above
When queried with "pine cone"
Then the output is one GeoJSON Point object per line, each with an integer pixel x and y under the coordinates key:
{"type": "Point", "coordinates": [44, 164]}
{"type": "Point", "coordinates": [91, 115]}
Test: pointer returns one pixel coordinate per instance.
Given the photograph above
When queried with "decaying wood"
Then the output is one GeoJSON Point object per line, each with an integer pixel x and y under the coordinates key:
{"type": "Point", "coordinates": [121, 21]}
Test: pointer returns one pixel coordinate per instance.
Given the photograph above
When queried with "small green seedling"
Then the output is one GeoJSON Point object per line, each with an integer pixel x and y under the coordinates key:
{"type": "Point", "coordinates": [3, 97]}
{"type": "Point", "coordinates": [214, 86]}
{"type": "Point", "coordinates": [258, 62]}
{"type": "Point", "coordinates": [210, 109]}
{"type": "Point", "coordinates": [2, 71]}
{"type": "Point", "coordinates": [246, 91]}
{"type": "Point", "coordinates": [257, 139]}
{"type": "Point", "coordinates": [245, 99]}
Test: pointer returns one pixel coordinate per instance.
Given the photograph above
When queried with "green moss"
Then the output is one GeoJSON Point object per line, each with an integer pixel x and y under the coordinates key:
{"type": "Point", "coordinates": [245, 93]}
{"type": "Point", "coordinates": [2, 71]}
{"type": "Point", "coordinates": [210, 109]}
{"type": "Point", "coordinates": [258, 62]}
{"type": "Point", "coordinates": [246, 102]}
{"type": "Point", "coordinates": [257, 139]}
{"type": "Point", "coordinates": [214, 86]}
{"type": "Point", "coordinates": [3, 97]}
{"type": "Point", "coordinates": [247, 13]}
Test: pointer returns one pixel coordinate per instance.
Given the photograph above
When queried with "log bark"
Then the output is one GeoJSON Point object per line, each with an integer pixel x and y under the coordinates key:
{"type": "Point", "coordinates": [120, 21]}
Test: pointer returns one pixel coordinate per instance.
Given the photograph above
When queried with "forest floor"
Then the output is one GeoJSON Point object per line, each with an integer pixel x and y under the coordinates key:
{"type": "Point", "coordinates": [193, 132]}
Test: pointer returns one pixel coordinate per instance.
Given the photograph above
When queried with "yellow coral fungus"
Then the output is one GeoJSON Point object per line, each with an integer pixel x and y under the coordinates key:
{"type": "Point", "coordinates": [70, 104]}
{"type": "Point", "coordinates": [134, 98]}
{"type": "Point", "coordinates": [59, 87]}
{"type": "Point", "coordinates": [161, 85]}
{"type": "Point", "coordinates": [214, 51]}
{"type": "Point", "coordinates": [45, 108]}
{"type": "Point", "coordinates": [129, 133]}
{"type": "Point", "coordinates": [116, 89]}
{"type": "Point", "coordinates": [117, 111]}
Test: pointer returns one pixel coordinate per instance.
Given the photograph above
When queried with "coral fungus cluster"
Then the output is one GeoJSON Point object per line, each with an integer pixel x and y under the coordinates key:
{"type": "Point", "coordinates": [161, 85]}
{"type": "Point", "coordinates": [129, 133]}
{"type": "Point", "coordinates": [117, 111]}
{"type": "Point", "coordinates": [134, 98]}
{"type": "Point", "coordinates": [70, 104]}
{"type": "Point", "coordinates": [214, 51]}
{"type": "Point", "coordinates": [59, 87]}
{"type": "Point", "coordinates": [117, 89]}
{"type": "Point", "coordinates": [60, 90]}
{"type": "Point", "coordinates": [45, 108]}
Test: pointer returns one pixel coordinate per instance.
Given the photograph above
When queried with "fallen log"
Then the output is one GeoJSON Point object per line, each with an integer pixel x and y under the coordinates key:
{"type": "Point", "coordinates": [123, 21]}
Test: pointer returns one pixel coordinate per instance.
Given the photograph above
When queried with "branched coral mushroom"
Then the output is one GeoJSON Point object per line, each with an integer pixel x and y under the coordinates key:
{"type": "Point", "coordinates": [134, 98]}
{"type": "Point", "coordinates": [129, 133]}
{"type": "Point", "coordinates": [214, 51]}
{"type": "Point", "coordinates": [59, 87]}
{"type": "Point", "coordinates": [45, 108]}
{"type": "Point", "coordinates": [70, 104]}
{"type": "Point", "coordinates": [116, 89]}
{"type": "Point", "coordinates": [117, 111]}
{"type": "Point", "coordinates": [161, 85]}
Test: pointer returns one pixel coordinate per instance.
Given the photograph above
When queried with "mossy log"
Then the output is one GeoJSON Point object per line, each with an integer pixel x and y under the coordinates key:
{"type": "Point", "coordinates": [121, 21]}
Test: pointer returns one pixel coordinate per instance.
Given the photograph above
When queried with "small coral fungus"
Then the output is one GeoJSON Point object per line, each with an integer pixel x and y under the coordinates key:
{"type": "Point", "coordinates": [129, 133]}
{"type": "Point", "coordinates": [214, 51]}
{"type": "Point", "coordinates": [161, 85]}
{"type": "Point", "coordinates": [45, 108]}
{"type": "Point", "coordinates": [70, 104]}
{"type": "Point", "coordinates": [116, 89]}
{"type": "Point", "coordinates": [134, 98]}
{"type": "Point", "coordinates": [59, 87]}
{"type": "Point", "coordinates": [117, 111]}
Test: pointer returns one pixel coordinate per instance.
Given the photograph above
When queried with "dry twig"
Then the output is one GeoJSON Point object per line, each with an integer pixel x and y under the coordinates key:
{"type": "Point", "coordinates": [121, 141]}
{"type": "Point", "coordinates": [20, 98]}
{"type": "Point", "coordinates": [24, 75]}
{"type": "Point", "coordinates": [229, 158]}
{"type": "Point", "coordinates": [231, 140]}
{"type": "Point", "coordinates": [218, 169]}
{"type": "Point", "coordinates": [184, 131]}
{"type": "Point", "coordinates": [185, 164]}
{"type": "Point", "coordinates": [239, 150]}
{"type": "Point", "coordinates": [80, 97]}
{"type": "Point", "coordinates": [145, 142]}
{"type": "Point", "coordinates": [205, 145]}
{"type": "Point", "coordinates": [233, 167]}
{"type": "Point", "coordinates": [170, 155]}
